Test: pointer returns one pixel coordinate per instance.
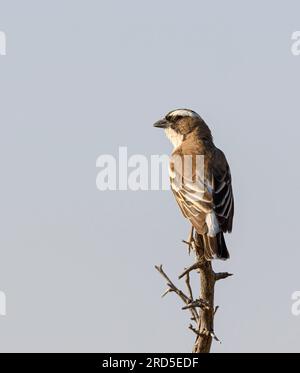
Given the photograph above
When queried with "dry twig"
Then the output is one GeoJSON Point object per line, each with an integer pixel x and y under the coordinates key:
{"type": "Point", "coordinates": [204, 319]}
{"type": "Point", "coordinates": [172, 288]}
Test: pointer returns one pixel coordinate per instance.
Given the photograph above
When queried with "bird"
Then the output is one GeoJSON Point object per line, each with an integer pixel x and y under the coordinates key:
{"type": "Point", "coordinates": [205, 195]}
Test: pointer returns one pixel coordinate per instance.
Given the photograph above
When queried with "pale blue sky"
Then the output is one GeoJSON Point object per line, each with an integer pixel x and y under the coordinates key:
{"type": "Point", "coordinates": [82, 78]}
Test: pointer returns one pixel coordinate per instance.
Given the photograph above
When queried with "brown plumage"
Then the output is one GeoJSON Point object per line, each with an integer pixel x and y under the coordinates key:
{"type": "Point", "coordinates": [202, 190]}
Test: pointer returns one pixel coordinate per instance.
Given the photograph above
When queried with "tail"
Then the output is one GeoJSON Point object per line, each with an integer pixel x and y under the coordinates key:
{"type": "Point", "coordinates": [215, 247]}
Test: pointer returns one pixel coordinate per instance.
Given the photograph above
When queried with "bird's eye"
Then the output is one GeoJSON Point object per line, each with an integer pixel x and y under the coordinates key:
{"type": "Point", "coordinates": [177, 118]}
{"type": "Point", "coordinates": [173, 118]}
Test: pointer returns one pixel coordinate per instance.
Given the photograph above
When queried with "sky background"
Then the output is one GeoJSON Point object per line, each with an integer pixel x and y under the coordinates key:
{"type": "Point", "coordinates": [82, 78]}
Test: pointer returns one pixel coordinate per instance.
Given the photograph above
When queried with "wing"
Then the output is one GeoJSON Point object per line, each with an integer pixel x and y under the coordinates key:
{"type": "Point", "coordinates": [191, 189]}
{"type": "Point", "coordinates": [202, 188]}
{"type": "Point", "coordinates": [222, 191]}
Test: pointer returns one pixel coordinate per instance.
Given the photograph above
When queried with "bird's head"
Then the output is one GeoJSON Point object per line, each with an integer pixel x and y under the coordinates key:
{"type": "Point", "coordinates": [181, 122]}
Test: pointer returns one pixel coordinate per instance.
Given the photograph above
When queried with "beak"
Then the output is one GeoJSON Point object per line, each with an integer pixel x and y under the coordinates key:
{"type": "Point", "coordinates": [162, 123]}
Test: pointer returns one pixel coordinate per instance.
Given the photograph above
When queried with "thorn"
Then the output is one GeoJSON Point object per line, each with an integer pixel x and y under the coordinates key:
{"type": "Point", "coordinates": [215, 337]}
{"type": "Point", "coordinates": [222, 275]}
{"type": "Point", "coordinates": [166, 292]}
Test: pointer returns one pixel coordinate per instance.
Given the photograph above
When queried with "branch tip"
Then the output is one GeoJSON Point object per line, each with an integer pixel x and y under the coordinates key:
{"type": "Point", "coordinates": [222, 275]}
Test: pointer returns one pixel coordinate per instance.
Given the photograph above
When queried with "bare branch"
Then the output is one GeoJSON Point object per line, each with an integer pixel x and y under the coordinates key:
{"type": "Point", "coordinates": [188, 284]}
{"type": "Point", "coordinates": [200, 303]}
{"type": "Point", "coordinates": [194, 330]}
{"type": "Point", "coordinates": [166, 292]}
{"type": "Point", "coordinates": [202, 309]}
{"type": "Point", "coordinates": [173, 288]}
{"type": "Point", "coordinates": [222, 275]}
{"type": "Point", "coordinates": [191, 268]}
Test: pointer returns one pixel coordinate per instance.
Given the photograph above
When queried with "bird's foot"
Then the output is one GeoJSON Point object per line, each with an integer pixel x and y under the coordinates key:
{"type": "Point", "coordinates": [191, 241]}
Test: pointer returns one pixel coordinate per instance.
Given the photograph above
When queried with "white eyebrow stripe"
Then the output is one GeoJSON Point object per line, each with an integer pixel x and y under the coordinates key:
{"type": "Point", "coordinates": [183, 113]}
